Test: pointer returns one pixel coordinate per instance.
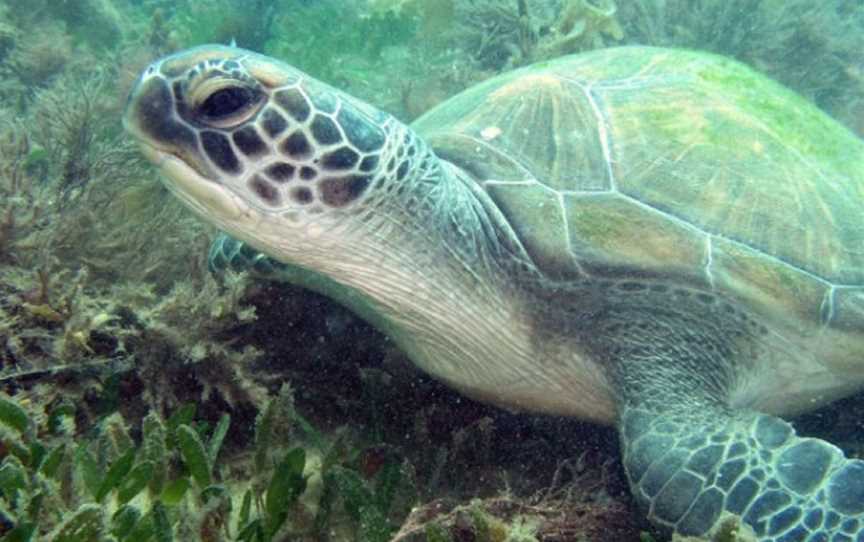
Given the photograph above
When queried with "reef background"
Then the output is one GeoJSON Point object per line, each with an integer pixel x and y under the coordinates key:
{"type": "Point", "coordinates": [108, 314]}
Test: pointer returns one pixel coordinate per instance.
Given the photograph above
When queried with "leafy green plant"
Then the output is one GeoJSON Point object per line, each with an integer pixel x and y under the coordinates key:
{"type": "Point", "coordinates": [366, 503]}
{"type": "Point", "coordinates": [283, 491]}
{"type": "Point", "coordinates": [104, 485]}
{"type": "Point", "coordinates": [83, 490]}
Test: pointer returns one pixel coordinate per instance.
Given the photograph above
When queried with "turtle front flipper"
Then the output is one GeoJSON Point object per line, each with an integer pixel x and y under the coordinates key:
{"type": "Point", "coordinates": [692, 458]}
{"type": "Point", "coordinates": [229, 253]}
{"type": "Point", "coordinates": [688, 468]}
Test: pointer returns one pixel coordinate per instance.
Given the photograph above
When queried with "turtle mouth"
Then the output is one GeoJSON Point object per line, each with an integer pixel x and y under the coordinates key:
{"type": "Point", "coordinates": [204, 195]}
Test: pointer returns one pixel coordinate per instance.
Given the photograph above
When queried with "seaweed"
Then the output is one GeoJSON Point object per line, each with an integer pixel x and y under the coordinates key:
{"type": "Point", "coordinates": [77, 127]}
{"type": "Point", "coordinates": [569, 509]}
{"type": "Point", "coordinates": [502, 35]}
{"type": "Point", "coordinates": [76, 194]}
{"type": "Point", "coordinates": [80, 488]}
{"type": "Point", "coordinates": [176, 482]}
{"type": "Point", "coordinates": [36, 59]}
{"type": "Point", "coordinates": [8, 33]}
{"type": "Point", "coordinates": [95, 23]}
{"type": "Point", "coordinates": [98, 23]}
{"type": "Point", "coordinates": [21, 210]}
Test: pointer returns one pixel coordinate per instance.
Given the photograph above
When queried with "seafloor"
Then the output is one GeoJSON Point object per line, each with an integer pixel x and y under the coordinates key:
{"type": "Point", "coordinates": [145, 400]}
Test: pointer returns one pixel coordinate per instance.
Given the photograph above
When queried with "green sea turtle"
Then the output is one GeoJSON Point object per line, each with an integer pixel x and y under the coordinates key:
{"type": "Point", "coordinates": [663, 240]}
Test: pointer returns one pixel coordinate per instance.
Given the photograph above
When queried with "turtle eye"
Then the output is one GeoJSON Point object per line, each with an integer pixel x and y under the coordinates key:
{"type": "Point", "coordinates": [225, 103]}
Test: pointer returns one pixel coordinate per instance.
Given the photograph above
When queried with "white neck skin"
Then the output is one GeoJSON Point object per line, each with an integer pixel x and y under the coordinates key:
{"type": "Point", "coordinates": [447, 305]}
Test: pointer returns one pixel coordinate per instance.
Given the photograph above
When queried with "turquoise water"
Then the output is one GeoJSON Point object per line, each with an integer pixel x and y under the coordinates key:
{"type": "Point", "coordinates": [147, 398]}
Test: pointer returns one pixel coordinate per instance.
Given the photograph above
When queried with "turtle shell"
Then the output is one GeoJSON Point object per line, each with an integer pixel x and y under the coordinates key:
{"type": "Point", "coordinates": [674, 164]}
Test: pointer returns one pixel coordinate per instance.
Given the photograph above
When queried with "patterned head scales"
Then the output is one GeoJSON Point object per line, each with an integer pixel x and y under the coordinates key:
{"type": "Point", "coordinates": [278, 139]}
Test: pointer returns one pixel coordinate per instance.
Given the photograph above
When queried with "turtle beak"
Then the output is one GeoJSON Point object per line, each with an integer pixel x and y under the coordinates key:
{"type": "Point", "coordinates": [151, 119]}
{"type": "Point", "coordinates": [172, 146]}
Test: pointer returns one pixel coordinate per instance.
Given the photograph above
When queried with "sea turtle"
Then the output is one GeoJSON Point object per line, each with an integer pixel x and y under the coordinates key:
{"type": "Point", "coordinates": [659, 239]}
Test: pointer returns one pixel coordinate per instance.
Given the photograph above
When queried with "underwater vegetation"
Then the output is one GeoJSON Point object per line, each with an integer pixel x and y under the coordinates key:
{"type": "Point", "coordinates": [169, 485]}
{"type": "Point", "coordinates": [183, 477]}
{"type": "Point", "coordinates": [502, 35]}
{"type": "Point", "coordinates": [94, 23]}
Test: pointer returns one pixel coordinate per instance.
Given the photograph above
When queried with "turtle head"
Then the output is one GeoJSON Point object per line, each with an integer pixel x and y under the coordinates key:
{"type": "Point", "coordinates": [344, 194]}
{"type": "Point", "coordinates": [247, 141]}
